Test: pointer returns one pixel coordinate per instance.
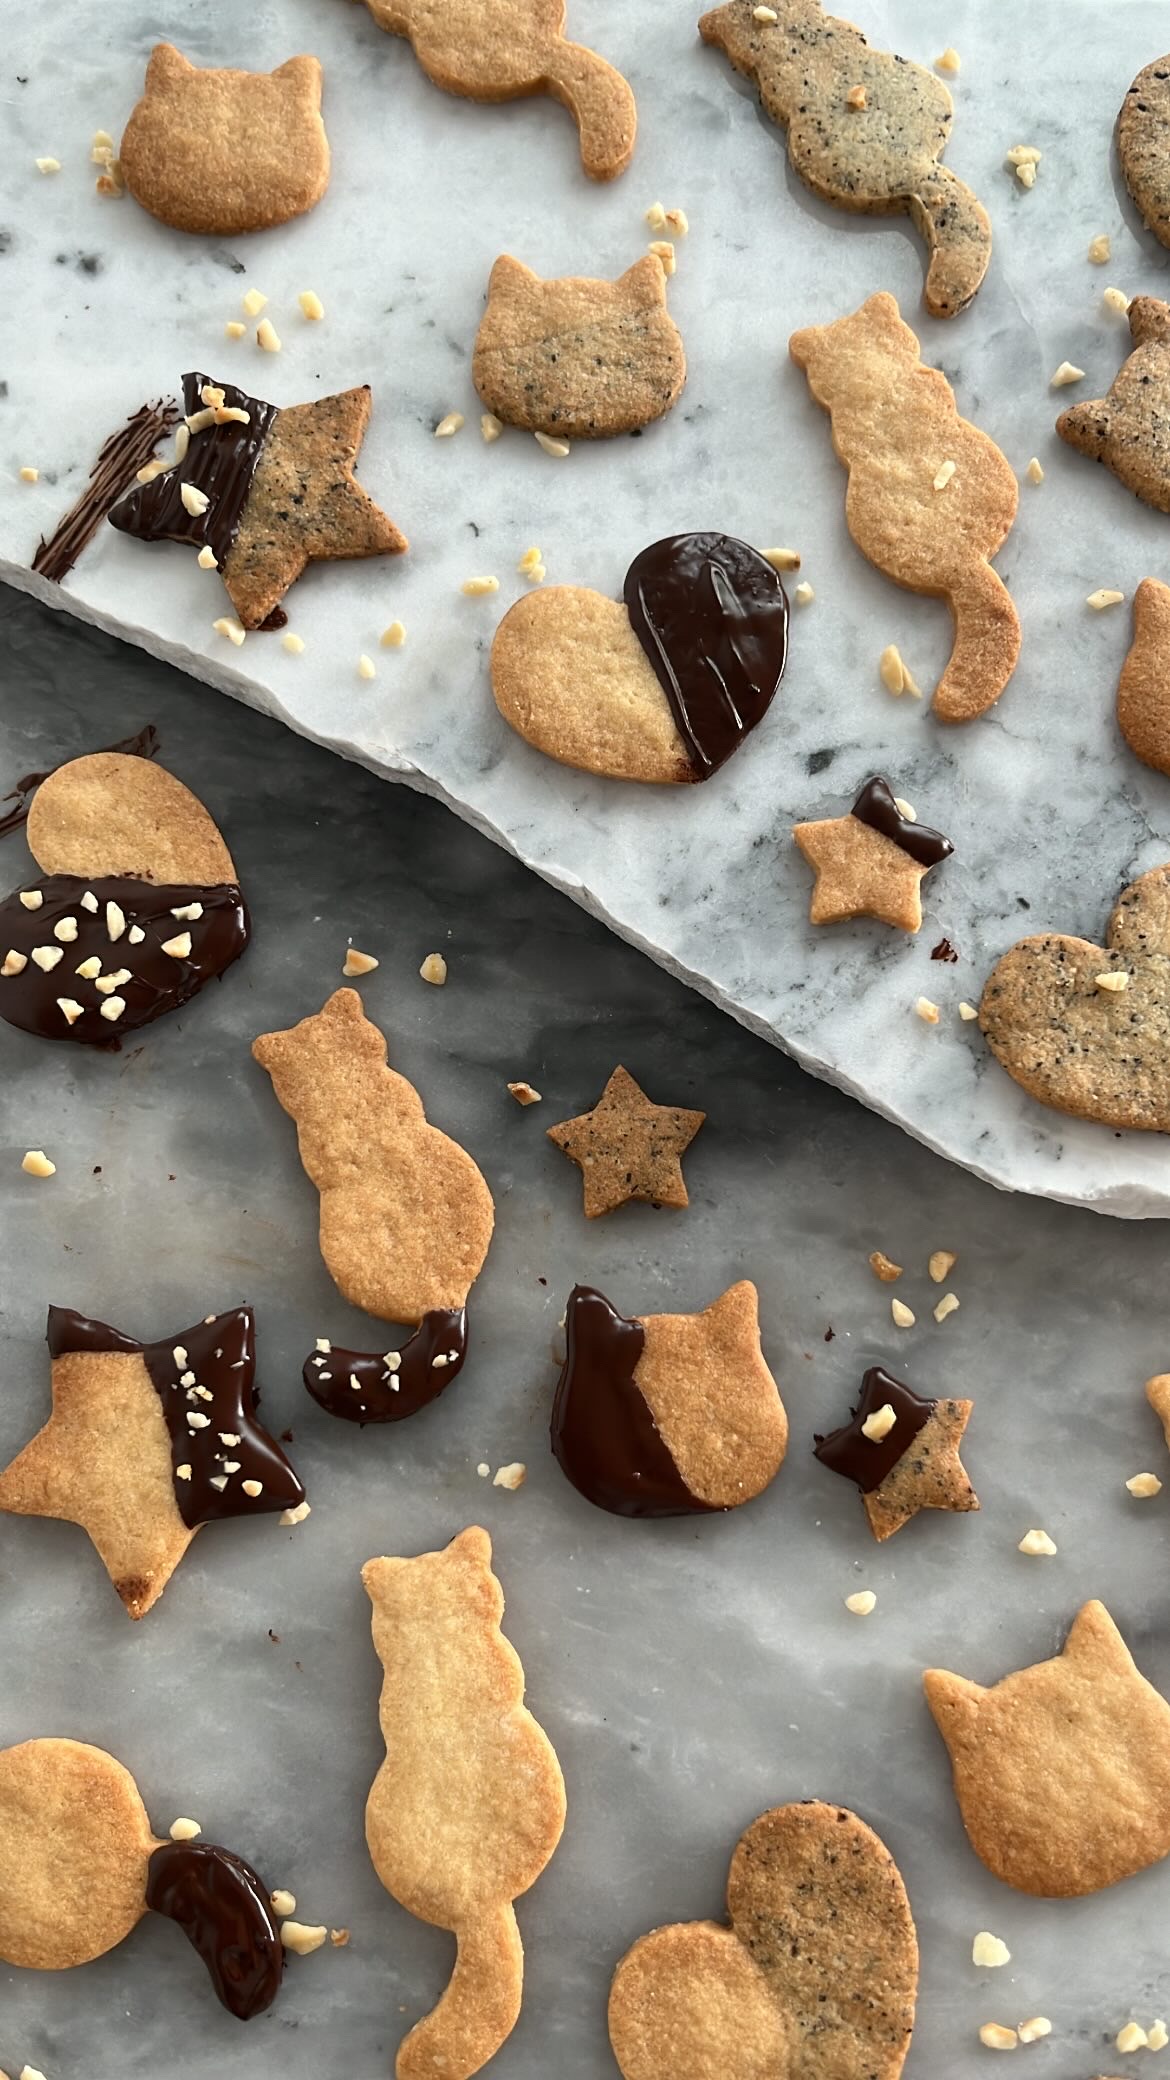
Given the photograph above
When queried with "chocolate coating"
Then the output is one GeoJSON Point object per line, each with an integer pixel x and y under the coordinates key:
{"type": "Point", "coordinates": [875, 805]}
{"type": "Point", "coordinates": [363, 1387]}
{"type": "Point", "coordinates": [604, 1437]}
{"type": "Point", "coordinates": [859, 1458]}
{"type": "Point", "coordinates": [712, 617]}
{"type": "Point", "coordinates": [126, 451]}
{"type": "Point", "coordinates": [222, 1908]}
{"type": "Point", "coordinates": [220, 461]}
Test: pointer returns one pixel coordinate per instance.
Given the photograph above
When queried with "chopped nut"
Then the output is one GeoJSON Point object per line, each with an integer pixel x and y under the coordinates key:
{"type": "Point", "coordinates": [968, 1011]}
{"type": "Point", "coordinates": [234, 330]}
{"type": "Point", "coordinates": [678, 221]}
{"type": "Point", "coordinates": [855, 98]}
{"type": "Point", "coordinates": [29, 475]}
{"type": "Point", "coordinates": [989, 1950]}
{"type": "Point", "coordinates": [48, 165]}
{"type": "Point", "coordinates": [194, 500]}
{"type": "Point", "coordinates": [1066, 373]}
{"type": "Point", "coordinates": [490, 427]}
{"type": "Point", "coordinates": [895, 676]}
{"type": "Point", "coordinates": [187, 912]}
{"type": "Point", "coordinates": [89, 902]}
{"type": "Point", "coordinates": [782, 559]}
{"type": "Point", "coordinates": [1140, 1484]}
{"type": "Point", "coordinates": [230, 628]}
{"type": "Point", "coordinates": [512, 1476]}
{"type": "Point", "coordinates": [940, 1262]}
{"type": "Point", "coordinates": [1114, 980]}
{"type": "Point", "coordinates": [252, 1489]}
{"type": "Point", "coordinates": [483, 1469]}
{"type": "Point", "coordinates": [551, 447]}
{"type": "Point", "coordinates": [1099, 249]}
{"type": "Point", "coordinates": [1026, 174]}
{"type": "Point", "coordinates": [945, 473]}
{"type": "Point", "coordinates": [267, 336]}
{"type": "Point", "coordinates": [70, 1009]}
{"type": "Point", "coordinates": [196, 1420]}
{"type": "Point", "coordinates": [290, 1517]}
{"type": "Point", "coordinates": [949, 61]}
{"type": "Point", "coordinates": [179, 947]}
{"type": "Point", "coordinates": [182, 441]}
{"type": "Point", "coordinates": [293, 644]}
{"type": "Point", "coordinates": [1158, 2037]}
{"type": "Point", "coordinates": [884, 1267]}
{"type": "Point", "coordinates": [1132, 2038]}
{"type": "Point", "coordinates": [183, 1473]}
{"type": "Point", "coordinates": [14, 963]}
{"type": "Point", "coordinates": [339, 1937]}
{"type": "Point", "coordinates": [524, 1094]}
{"type": "Point", "coordinates": [879, 1424]}
{"type": "Point", "coordinates": [1037, 1545]}
{"type": "Point", "coordinates": [531, 561]}
{"type": "Point", "coordinates": [394, 637]}
{"type": "Point", "coordinates": [947, 1305]}
{"type": "Point", "coordinates": [366, 668]}
{"type": "Point", "coordinates": [30, 2073]}
{"type": "Point", "coordinates": [434, 969]}
{"type": "Point", "coordinates": [1023, 155]}
{"type": "Point", "coordinates": [997, 2038]}
{"type": "Point", "coordinates": [311, 304]}
{"type": "Point", "coordinates": [656, 217]}
{"type": "Point", "coordinates": [1031, 2032]}
{"type": "Point", "coordinates": [926, 1011]}
{"type": "Point", "coordinates": [253, 302]}
{"type": "Point", "coordinates": [31, 898]}
{"type": "Point", "coordinates": [764, 14]}
{"type": "Point", "coordinates": [1034, 471]}
{"type": "Point", "coordinates": [282, 1902]}
{"type": "Point", "coordinates": [356, 963]}
{"type": "Point", "coordinates": [664, 251]}
{"type": "Point", "coordinates": [65, 929]}
{"type": "Point", "coordinates": [149, 471]}
{"type": "Point", "coordinates": [448, 425]}
{"type": "Point", "coordinates": [206, 557]}
{"type": "Point", "coordinates": [105, 983]}
{"type": "Point", "coordinates": [903, 1315]}
{"type": "Point", "coordinates": [47, 957]}
{"type": "Point", "coordinates": [35, 1163]}
{"type": "Point", "coordinates": [477, 588]}
{"type": "Point", "coordinates": [184, 1830]}
{"type": "Point", "coordinates": [861, 1603]}
{"type": "Point", "coordinates": [804, 595]}
{"type": "Point", "coordinates": [1117, 301]}
{"type": "Point", "coordinates": [296, 1935]}
{"type": "Point", "coordinates": [1104, 598]}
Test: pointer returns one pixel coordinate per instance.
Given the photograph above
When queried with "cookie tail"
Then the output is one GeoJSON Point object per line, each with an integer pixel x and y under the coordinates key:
{"type": "Point", "coordinates": [478, 2011]}
{"type": "Point", "coordinates": [601, 104]}
{"type": "Point", "coordinates": [986, 646]}
{"type": "Point", "coordinates": [957, 230]}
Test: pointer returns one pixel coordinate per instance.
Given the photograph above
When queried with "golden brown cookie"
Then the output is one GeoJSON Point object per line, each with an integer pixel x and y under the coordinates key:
{"type": "Point", "coordinates": [406, 1216]}
{"type": "Point", "coordinates": [902, 1449]}
{"type": "Point", "coordinates": [866, 130]}
{"type": "Point", "coordinates": [627, 1148]}
{"type": "Point", "coordinates": [870, 863]}
{"type": "Point", "coordinates": [222, 152]}
{"type": "Point", "coordinates": [1158, 1396]}
{"type": "Point", "coordinates": [1143, 145]}
{"type": "Point", "coordinates": [1127, 430]}
{"type": "Point", "coordinates": [578, 358]}
{"type": "Point", "coordinates": [1062, 1771]}
{"type": "Point", "coordinates": [1143, 690]}
{"type": "Point", "coordinates": [469, 1804]}
{"type": "Point", "coordinates": [930, 498]}
{"type": "Point", "coordinates": [504, 50]}
{"type": "Point", "coordinates": [108, 814]}
{"type": "Point", "coordinates": [1086, 1028]}
{"type": "Point", "coordinates": [816, 1979]}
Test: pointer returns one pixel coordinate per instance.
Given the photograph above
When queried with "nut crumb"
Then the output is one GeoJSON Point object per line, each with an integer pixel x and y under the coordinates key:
{"type": "Point", "coordinates": [14, 963]}
{"type": "Point", "coordinates": [855, 98]}
{"type": "Point", "coordinates": [968, 1011]}
{"type": "Point", "coordinates": [1117, 301]}
{"type": "Point", "coordinates": [490, 427]}
{"type": "Point", "coordinates": [179, 947]}
{"type": "Point", "coordinates": [764, 14]}
{"type": "Point", "coordinates": [1104, 598]}
{"type": "Point", "coordinates": [184, 1830]}
{"type": "Point", "coordinates": [449, 424]}
{"type": "Point", "coordinates": [252, 1489]}
{"type": "Point", "coordinates": [861, 1603]}
{"type": "Point", "coordinates": [365, 667]}
{"type": "Point", "coordinates": [476, 588]}
{"type": "Point", "coordinates": [1037, 1545]}
{"type": "Point", "coordinates": [926, 1011]}
{"type": "Point", "coordinates": [356, 963]}
{"type": "Point", "coordinates": [289, 1517]}
{"type": "Point", "coordinates": [895, 675]}
{"type": "Point", "coordinates": [206, 557]}
{"type": "Point", "coordinates": [234, 330]}
{"type": "Point", "coordinates": [1023, 155]}
{"type": "Point", "coordinates": [1132, 2038]}
{"type": "Point", "coordinates": [1139, 1484]}
{"type": "Point", "coordinates": [904, 1317]}
{"type": "Point", "coordinates": [35, 1163]}
{"type": "Point", "coordinates": [434, 969]}
{"type": "Point", "coordinates": [1034, 471]}
{"type": "Point", "coordinates": [884, 1267]}
{"type": "Point", "coordinates": [782, 559]}
{"type": "Point", "coordinates": [71, 1010]}
{"type": "Point", "coordinates": [282, 1902]}
{"type": "Point", "coordinates": [293, 644]}
{"type": "Point", "coordinates": [394, 637]}
{"type": "Point", "coordinates": [679, 221]}
{"type": "Point", "coordinates": [1066, 373]}
{"type": "Point", "coordinates": [230, 628]}
{"type": "Point", "coordinates": [483, 1469]}
{"type": "Point", "coordinates": [997, 2038]}
{"type": "Point", "coordinates": [267, 336]}
{"type": "Point", "coordinates": [947, 1305]}
{"type": "Point", "coordinates": [531, 562]}
{"type": "Point", "coordinates": [512, 1476]}
{"type": "Point", "coordinates": [31, 898]}
{"type": "Point", "coordinates": [945, 473]}
{"type": "Point", "coordinates": [940, 1262]}
{"type": "Point", "coordinates": [656, 217]}
{"type": "Point", "coordinates": [664, 251]}
{"type": "Point", "coordinates": [524, 1094]}
{"type": "Point", "coordinates": [253, 302]}
{"type": "Point", "coordinates": [550, 446]}
{"type": "Point", "coordinates": [803, 594]}
{"type": "Point", "coordinates": [1115, 980]}
{"type": "Point", "coordinates": [48, 166]}
{"type": "Point", "coordinates": [1099, 249]}
{"type": "Point", "coordinates": [1158, 2037]}
{"type": "Point", "coordinates": [879, 1424]}
{"type": "Point", "coordinates": [298, 1936]}
{"type": "Point", "coordinates": [990, 1951]}
{"type": "Point", "coordinates": [1030, 2032]}
{"type": "Point", "coordinates": [194, 500]}
{"type": "Point", "coordinates": [948, 60]}
{"type": "Point", "coordinates": [1026, 174]}
{"type": "Point", "coordinates": [29, 475]}
{"type": "Point", "coordinates": [311, 305]}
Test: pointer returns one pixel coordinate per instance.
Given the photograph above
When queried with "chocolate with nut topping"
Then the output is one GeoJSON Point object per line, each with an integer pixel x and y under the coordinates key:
{"type": "Point", "coordinates": [221, 461]}
{"type": "Point", "coordinates": [385, 1387]}
{"type": "Point", "coordinates": [876, 806]}
{"type": "Point", "coordinates": [223, 1909]}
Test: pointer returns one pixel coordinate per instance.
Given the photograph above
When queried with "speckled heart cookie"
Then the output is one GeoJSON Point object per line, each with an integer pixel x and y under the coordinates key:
{"type": "Point", "coordinates": [578, 358]}
{"type": "Point", "coordinates": [817, 1975]}
{"type": "Point", "coordinates": [1143, 146]}
{"type": "Point", "coordinates": [930, 498]}
{"type": "Point", "coordinates": [223, 152]}
{"type": "Point", "coordinates": [661, 686]}
{"type": "Point", "coordinates": [1127, 430]}
{"type": "Point", "coordinates": [1086, 1028]}
{"type": "Point", "coordinates": [1143, 690]}
{"type": "Point", "coordinates": [866, 130]}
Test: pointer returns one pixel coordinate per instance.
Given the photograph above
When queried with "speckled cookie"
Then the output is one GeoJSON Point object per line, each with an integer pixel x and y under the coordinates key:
{"type": "Point", "coordinates": [1128, 429]}
{"type": "Point", "coordinates": [628, 1148]}
{"type": "Point", "coordinates": [1143, 690]}
{"type": "Point", "coordinates": [902, 1450]}
{"type": "Point", "coordinates": [1085, 1028]}
{"type": "Point", "coordinates": [1143, 145]}
{"type": "Point", "coordinates": [578, 358]}
{"type": "Point", "coordinates": [866, 130]}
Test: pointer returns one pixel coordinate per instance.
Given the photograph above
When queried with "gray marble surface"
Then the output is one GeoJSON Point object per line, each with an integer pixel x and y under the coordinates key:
{"type": "Point", "coordinates": [690, 1674]}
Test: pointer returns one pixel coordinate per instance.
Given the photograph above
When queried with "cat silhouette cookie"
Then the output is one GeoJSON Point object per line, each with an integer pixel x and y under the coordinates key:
{"type": "Point", "coordinates": [1143, 690]}
{"type": "Point", "coordinates": [223, 152]}
{"type": "Point", "coordinates": [1129, 430]}
{"type": "Point", "coordinates": [866, 130]}
{"type": "Point", "coordinates": [578, 358]}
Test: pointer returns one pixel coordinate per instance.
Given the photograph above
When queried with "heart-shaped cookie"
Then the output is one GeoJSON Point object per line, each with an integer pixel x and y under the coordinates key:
{"type": "Point", "coordinates": [1086, 1028]}
{"type": "Point", "coordinates": [815, 1980]}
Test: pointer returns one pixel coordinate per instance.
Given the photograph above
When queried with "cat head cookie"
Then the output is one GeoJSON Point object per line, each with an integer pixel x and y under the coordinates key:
{"type": "Point", "coordinates": [136, 906]}
{"type": "Point", "coordinates": [817, 1974]}
{"type": "Point", "coordinates": [1127, 430]}
{"type": "Point", "coordinates": [223, 152]}
{"type": "Point", "coordinates": [578, 358]}
{"type": "Point", "coordinates": [80, 1865]}
{"type": "Point", "coordinates": [1062, 1771]}
{"type": "Point", "coordinates": [663, 685]}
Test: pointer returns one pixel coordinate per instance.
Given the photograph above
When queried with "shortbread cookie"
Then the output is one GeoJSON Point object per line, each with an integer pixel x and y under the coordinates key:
{"type": "Point", "coordinates": [1062, 1771]}
{"type": "Point", "coordinates": [137, 905]}
{"type": "Point", "coordinates": [1143, 690]}
{"type": "Point", "coordinates": [866, 130]}
{"type": "Point", "coordinates": [504, 50]}
{"type": "Point", "coordinates": [627, 1148]}
{"type": "Point", "coordinates": [266, 491]}
{"type": "Point", "coordinates": [224, 152]}
{"type": "Point", "coordinates": [663, 685]}
{"type": "Point", "coordinates": [148, 1441]}
{"type": "Point", "coordinates": [1127, 430]}
{"type": "Point", "coordinates": [578, 358]}
{"type": "Point", "coordinates": [816, 1979]}
{"type": "Point", "coordinates": [930, 498]}
{"type": "Point", "coordinates": [80, 1865]}
{"type": "Point", "coordinates": [386, 1386]}
{"type": "Point", "coordinates": [469, 1804]}
{"type": "Point", "coordinates": [1086, 1028]}
{"type": "Point", "coordinates": [902, 1449]}
{"type": "Point", "coordinates": [1158, 1396]}
{"type": "Point", "coordinates": [1143, 146]}
{"type": "Point", "coordinates": [665, 1414]}
{"type": "Point", "coordinates": [406, 1216]}
{"type": "Point", "coordinates": [870, 863]}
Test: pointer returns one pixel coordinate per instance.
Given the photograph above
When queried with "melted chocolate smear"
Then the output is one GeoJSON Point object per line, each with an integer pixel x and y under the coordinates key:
{"type": "Point", "coordinates": [944, 951]}
{"type": "Point", "coordinates": [875, 805]}
{"type": "Point", "coordinates": [222, 1908]}
{"type": "Point", "coordinates": [148, 981]}
{"type": "Point", "coordinates": [604, 1437]}
{"type": "Point", "coordinates": [144, 745]}
{"type": "Point", "coordinates": [205, 1380]}
{"type": "Point", "coordinates": [385, 1387]}
{"type": "Point", "coordinates": [221, 461]}
{"type": "Point", "coordinates": [859, 1458]}
{"type": "Point", "coordinates": [712, 617]}
{"type": "Point", "coordinates": [124, 454]}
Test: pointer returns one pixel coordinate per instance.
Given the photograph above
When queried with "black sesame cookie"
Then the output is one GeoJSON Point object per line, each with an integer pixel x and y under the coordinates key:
{"type": "Point", "coordinates": [1143, 145]}
{"type": "Point", "coordinates": [576, 357]}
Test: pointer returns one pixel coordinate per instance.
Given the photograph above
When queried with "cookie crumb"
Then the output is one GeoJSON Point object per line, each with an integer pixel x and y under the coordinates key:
{"type": "Point", "coordinates": [48, 166]}
{"type": "Point", "coordinates": [298, 1936]}
{"type": "Point", "coordinates": [448, 425]}
{"type": "Point", "coordinates": [968, 1011]}
{"type": "Point", "coordinates": [804, 595]}
{"type": "Point", "coordinates": [511, 1476]}
{"type": "Point", "coordinates": [1034, 471]}
{"type": "Point", "coordinates": [490, 427]}
{"type": "Point", "coordinates": [524, 1094]}
{"type": "Point", "coordinates": [926, 1011]}
{"type": "Point", "coordinates": [291, 1517]}
{"type": "Point", "coordinates": [339, 1937]}
{"type": "Point", "coordinates": [940, 1262]}
{"type": "Point", "coordinates": [227, 626]}
{"type": "Point", "coordinates": [948, 61]}
{"type": "Point", "coordinates": [394, 637]}
{"type": "Point", "coordinates": [1037, 1545]}
{"type": "Point", "coordinates": [234, 330]}
{"type": "Point", "coordinates": [293, 644]}
{"type": "Point", "coordinates": [1117, 301]}
{"type": "Point", "coordinates": [206, 557]}
{"type": "Point", "coordinates": [1140, 1484]}
{"type": "Point", "coordinates": [1115, 980]}
{"type": "Point", "coordinates": [365, 667]}
{"type": "Point", "coordinates": [35, 1163]}
{"type": "Point", "coordinates": [879, 1424]}
{"type": "Point", "coordinates": [483, 1469]}
{"type": "Point", "coordinates": [990, 1951]}
{"type": "Point", "coordinates": [184, 1830]}
{"type": "Point", "coordinates": [311, 305]}
{"type": "Point", "coordinates": [855, 98]}
{"type": "Point", "coordinates": [282, 1902]}
{"type": "Point", "coordinates": [656, 217]}
{"type": "Point", "coordinates": [884, 1267]}
{"type": "Point", "coordinates": [434, 969]}
{"type": "Point", "coordinates": [1099, 249]}
{"type": "Point", "coordinates": [997, 2038]}
{"type": "Point", "coordinates": [861, 1603]}
{"type": "Point", "coordinates": [1104, 598]}
{"type": "Point", "coordinates": [782, 559]}
{"type": "Point", "coordinates": [1066, 373]}
{"type": "Point", "coordinates": [550, 446]}
{"type": "Point", "coordinates": [895, 674]}
{"type": "Point", "coordinates": [679, 221]}
{"type": "Point", "coordinates": [1031, 2032]}
{"type": "Point", "coordinates": [356, 963]}
{"type": "Point", "coordinates": [904, 1317]}
{"type": "Point", "coordinates": [944, 476]}
{"type": "Point", "coordinates": [29, 475]}
{"type": "Point", "coordinates": [267, 336]}
{"type": "Point", "coordinates": [253, 302]}
{"type": "Point", "coordinates": [1132, 2038]}
{"type": "Point", "coordinates": [946, 1306]}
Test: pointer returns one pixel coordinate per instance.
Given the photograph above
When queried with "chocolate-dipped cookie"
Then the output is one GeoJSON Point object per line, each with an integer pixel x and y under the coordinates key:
{"type": "Point", "coordinates": [902, 1450]}
{"type": "Point", "coordinates": [871, 863]}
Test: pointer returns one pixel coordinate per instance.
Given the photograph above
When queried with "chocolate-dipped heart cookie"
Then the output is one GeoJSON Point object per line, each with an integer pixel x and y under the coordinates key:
{"type": "Point", "coordinates": [663, 685]}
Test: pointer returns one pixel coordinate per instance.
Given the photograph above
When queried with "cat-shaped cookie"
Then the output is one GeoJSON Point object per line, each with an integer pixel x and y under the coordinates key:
{"type": "Point", "coordinates": [576, 357]}
{"type": "Point", "coordinates": [223, 152]}
{"type": "Point", "coordinates": [1143, 690]}
{"type": "Point", "coordinates": [1128, 430]}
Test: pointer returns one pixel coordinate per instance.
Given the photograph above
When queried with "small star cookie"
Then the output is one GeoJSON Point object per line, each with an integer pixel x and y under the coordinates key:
{"type": "Point", "coordinates": [870, 863]}
{"type": "Point", "coordinates": [628, 1148]}
{"type": "Point", "coordinates": [902, 1449]}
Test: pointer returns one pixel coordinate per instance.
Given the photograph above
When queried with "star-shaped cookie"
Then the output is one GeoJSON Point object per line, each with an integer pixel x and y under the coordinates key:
{"type": "Point", "coordinates": [628, 1148]}
{"type": "Point", "coordinates": [870, 863]}
{"type": "Point", "coordinates": [905, 1464]}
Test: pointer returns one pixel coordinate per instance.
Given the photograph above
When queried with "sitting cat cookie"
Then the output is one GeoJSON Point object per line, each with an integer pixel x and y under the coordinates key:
{"type": "Point", "coordinates": [504, 50]}
{"type": "Point", "coordinates": [1143, 690]}
{"type": "Point", "coordinates": [1143, 146]}
{"type": "Point", "coordinates": [866, 130]}
{"type": "Point", "coordinates": [816, 1978]}
{"type": "Point", "coordinates": [661, 686]}
{"type": "Point", "coordinates": [1085, 1028]}
{"type": "Point", "coordinates": [1127, 430]}
{"type": "Point", "coordinates": [223, 152]}
{"type": "Point", "coordinates": [1062, 1771]}
{"type": "Point", "coordinates": [930, 498]}
{"type": "Point", "coordinates": [578, 358]}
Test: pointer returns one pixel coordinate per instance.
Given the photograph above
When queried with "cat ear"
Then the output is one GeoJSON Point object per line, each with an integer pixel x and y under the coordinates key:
{"type": "Point", "coordinates": [166, 68]}
{"type": "Point", "coordinates": [509, 274]}
{"type": "Point", "coordinates": [644, 282]}
{"type": "Point", "coordinates": [955, 1703]}
{"type": "Point", "coordinates": [1148, 319]}
{"type": "Point", "coordinates": [1094, 1638]}
{"type": "Point", "coordinates": [1086, 427]}
{"type": "Point", "coordinates": [303, 75]}
{"type": "Point", "coordinates": [737, 1311]}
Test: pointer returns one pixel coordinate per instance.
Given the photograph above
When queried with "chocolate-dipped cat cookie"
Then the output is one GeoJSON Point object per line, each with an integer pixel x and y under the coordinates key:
{"type": "Point", "coordinates": [662, 685]}
{"type": "Point", "coordinates": [137, 905]}
{"type": "Point", "coordinates": [902, 1450]}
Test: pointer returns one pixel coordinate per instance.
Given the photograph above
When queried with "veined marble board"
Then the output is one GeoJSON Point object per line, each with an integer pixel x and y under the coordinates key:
{"type": "Point", "coordinates": [1049, 812]}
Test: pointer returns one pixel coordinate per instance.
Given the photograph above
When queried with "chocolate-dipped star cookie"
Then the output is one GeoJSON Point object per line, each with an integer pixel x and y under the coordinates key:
{"type": "Point", "coordinates": [627, 1148]}
{"type": "Point", "coordinates": [903, 1452]}
{"type": "Point", "coordinates": [266, 490]}
{"type": "Point", "coordinates": [148, 1441]}
{"type": "Point", "coordinates": [870, 863]}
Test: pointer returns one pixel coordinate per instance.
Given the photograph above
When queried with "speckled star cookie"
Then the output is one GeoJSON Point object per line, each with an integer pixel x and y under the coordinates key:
{"type": "Point", "coordinates": [1143, 146]}
{"type": "Point", "coordinates": [1127, 430]}
{"type": "Point", "coordinates": [872, 862]}
{"type": "Point", "coordinates": [902, 1449]}
{"type": "Point", "coordinates": [627, 1148]}
{"type": "Point", "coordinates": [578, 358]}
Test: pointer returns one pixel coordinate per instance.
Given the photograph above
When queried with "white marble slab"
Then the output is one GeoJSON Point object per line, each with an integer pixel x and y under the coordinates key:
{"type": "Point", "coordinates": [1049, 813]}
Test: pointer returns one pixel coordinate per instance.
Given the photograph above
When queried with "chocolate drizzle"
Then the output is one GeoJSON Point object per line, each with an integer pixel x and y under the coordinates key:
{"type": "Point", "coordinates": [875, 805]}
{"type": "Point", "coordinates": [604, 1437]}
{"type": "Point", "coordinates": [221, 461]}
{"type": "Point", "coordinates": [385, 1387]}
{"type": "Point", "coordinates": [143, 745]}
{"type": "Point", "coordinates": [123, 455]}
{"type": "Point", "coordinates": [205, 1379]}
{"type": "Point", "coordinates": [222, 1908]}
{"type": "Point", "coordinates": [712, 617]}
{"type": "Point", "coordinates": [147, 982]}
{"type": "Point", "coordinates": [867, 1461]}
